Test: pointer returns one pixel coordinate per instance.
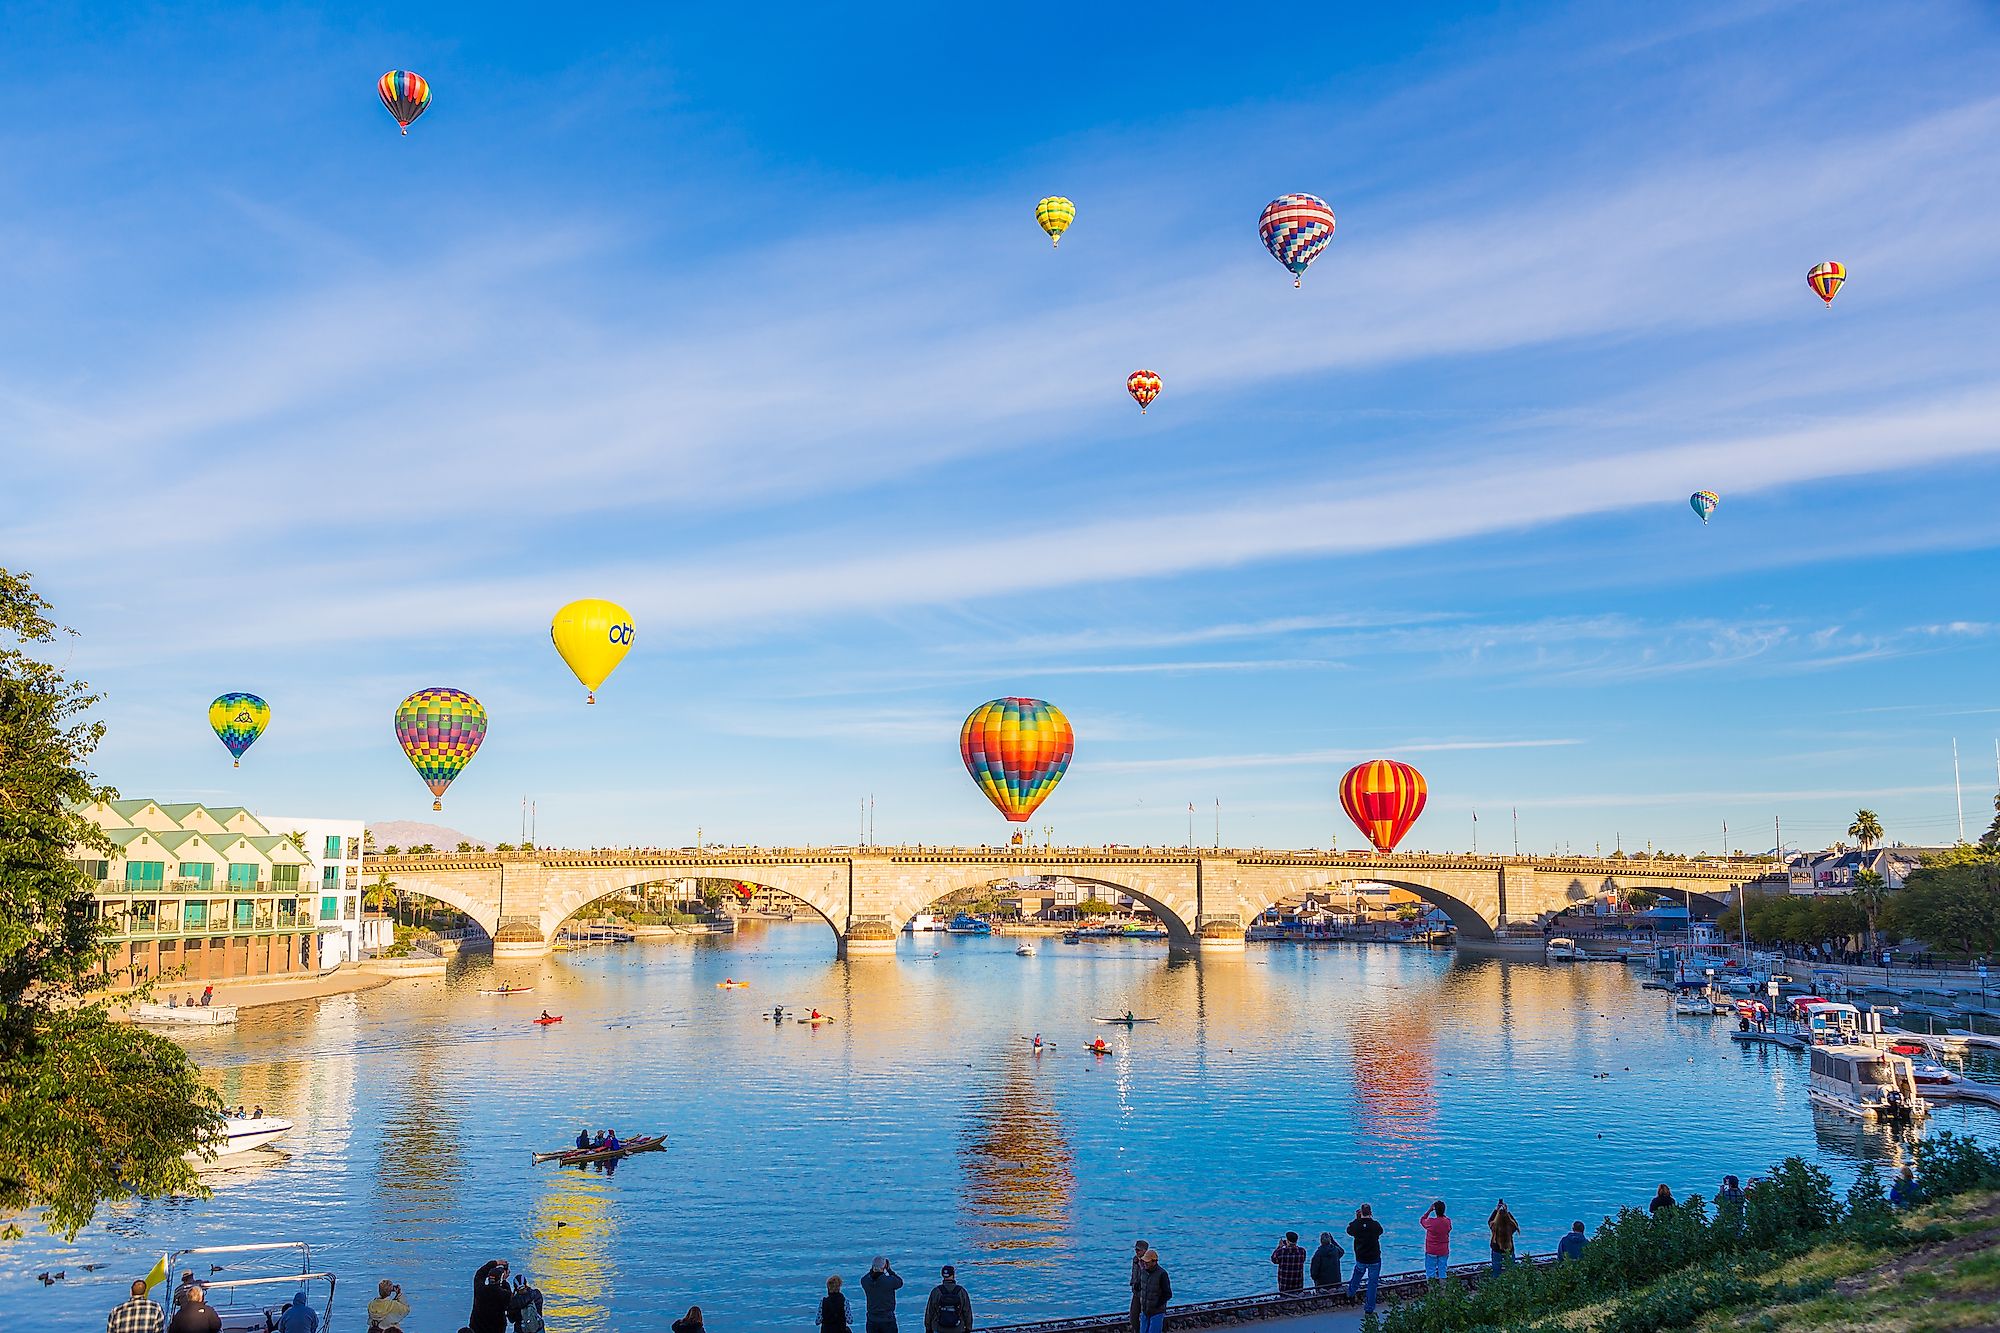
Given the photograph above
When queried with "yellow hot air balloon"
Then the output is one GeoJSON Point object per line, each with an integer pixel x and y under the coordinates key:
{"type": "Point", "coordinates": [593, 636]}
{"type": "Point", "coordinates": [1055, 213]}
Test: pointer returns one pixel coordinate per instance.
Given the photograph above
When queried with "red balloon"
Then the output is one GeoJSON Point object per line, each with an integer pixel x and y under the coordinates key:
{"type": "Point", "coordinates": [1383, 797]}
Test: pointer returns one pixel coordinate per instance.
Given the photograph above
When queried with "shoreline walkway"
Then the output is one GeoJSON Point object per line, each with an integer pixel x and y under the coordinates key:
{"type": "Point", "coordinates": [245, 994]}
{"type": "Point", "coordinates": [1308, 1311]}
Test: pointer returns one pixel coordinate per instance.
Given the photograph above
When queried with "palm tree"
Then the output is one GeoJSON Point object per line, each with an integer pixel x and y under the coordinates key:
{"type": "Point", "coordinates": [1872, 892]}
{"type": "Point", "coordinates": [1866, 828]}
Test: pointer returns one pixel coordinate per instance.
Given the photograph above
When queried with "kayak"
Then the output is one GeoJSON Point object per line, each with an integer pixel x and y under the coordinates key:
{"type": "Point", "coordinates": [1127, 1022]}
{"type": "Point", "coordinates": [508, 990]}
{"type": "Point", "coordinates": [544, 1022]}
{"type": "Point", "coordinates": [574, 1156]}
{"type": "Point", "coordinates": [732, 985]}
{"type": "Point", "coordinates": [1098, 1050]}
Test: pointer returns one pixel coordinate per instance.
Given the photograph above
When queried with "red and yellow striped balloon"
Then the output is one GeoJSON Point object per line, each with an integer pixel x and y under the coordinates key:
{"type": "Point", "coordinates": [1383, 797]}
{"type": "Point", "coordinates": [1144, 386]}
{"type": "Point", "coordinates": [1825, 279]}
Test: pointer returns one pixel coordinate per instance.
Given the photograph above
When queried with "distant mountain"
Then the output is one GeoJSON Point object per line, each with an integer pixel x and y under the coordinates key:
{"type": "Point", "coordinates": [410, 833]}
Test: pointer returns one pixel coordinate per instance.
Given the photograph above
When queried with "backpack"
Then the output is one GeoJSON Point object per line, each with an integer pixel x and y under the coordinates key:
{"type": "Point", "coordinates": [530, 1320]}
{"type": "Point", "coordinates": [951, 1310]}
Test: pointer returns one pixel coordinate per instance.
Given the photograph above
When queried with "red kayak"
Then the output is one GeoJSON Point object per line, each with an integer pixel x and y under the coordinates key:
{"type": "Point", "coordinates": [544, 1022]}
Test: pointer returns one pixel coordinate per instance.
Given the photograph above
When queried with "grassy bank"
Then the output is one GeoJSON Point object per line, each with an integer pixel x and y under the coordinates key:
{"type": "Point", "coordinates": [1790, 1254]}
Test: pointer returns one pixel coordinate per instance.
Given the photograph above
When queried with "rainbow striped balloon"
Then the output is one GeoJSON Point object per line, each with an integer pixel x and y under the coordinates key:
{"type": "Point", "coordinates": [1295, 228]}
{"type": "Point", "coordinates": [238, 719]}
{"type": "Point", "coordinates": [1825, 279]}
{"type": "Point", "coordinates": [1017, 751]}
{"type": "Point", "coordinates": [1383, 797]}
{"type": "Point", "coordinates": [407, 95]}
{"type": "Point", "coordinates": [440, 730]}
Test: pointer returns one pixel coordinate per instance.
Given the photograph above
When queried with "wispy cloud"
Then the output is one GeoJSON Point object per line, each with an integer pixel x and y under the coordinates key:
{"type": "Point", "coordinates": [1314, 758]}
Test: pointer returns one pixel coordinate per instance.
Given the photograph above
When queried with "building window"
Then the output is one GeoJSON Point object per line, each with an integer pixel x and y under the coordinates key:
{"type": "Point", "coordinates": [353, 908]}
{"type": "Point", "coordinates": [95, 869]}
{"type": "Point", "coordinates": [264, 914]}
{"type": "Point", "coordinates": [140, 922]}
{"type": "Point", "coordinates": [333, 847]}
{"type": "Point", "coordinates": [244, 914]}
{"type": "Point", "coordinates": [242, 876]}
{"type": "Point", "coordinates": [283, 875]}
{"type": "Point", "coordinates": [201, 872]}
{"type": "Point", "coordinates": [218, 913]}
{"type": "Point", "coordinates": [170, 917]}
{"type": "Point", "coordinates": [197, 915]}
{"type": "Point", "coordinates": [288, 912]}
{"type": "Point", "coordinates": [146, 872]}
{"type": "Point", "coordinates": [329, 877]}
{"type": "Point", "coordinates": [329, 908]}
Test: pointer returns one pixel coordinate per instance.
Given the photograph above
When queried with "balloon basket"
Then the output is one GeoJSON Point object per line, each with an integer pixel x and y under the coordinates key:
{"type": "Point", "coordinates": [437, 805]}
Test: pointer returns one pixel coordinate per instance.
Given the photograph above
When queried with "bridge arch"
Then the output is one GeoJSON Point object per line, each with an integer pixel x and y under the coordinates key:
{"type": "Point", "coordinates": [562, 912]}
{"type": "Point", "coordinates": [470, 893]}
{"type": "Point", "coordinates": [1180, 932]}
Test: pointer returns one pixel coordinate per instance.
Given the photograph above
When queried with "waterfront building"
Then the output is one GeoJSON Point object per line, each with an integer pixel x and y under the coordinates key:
{"type": "Point", "coordinates": [198, 893]}
{"type": "Point", "coordinates": [1833, 871]}
{"type": "Point", "coordinates": [333, 848]}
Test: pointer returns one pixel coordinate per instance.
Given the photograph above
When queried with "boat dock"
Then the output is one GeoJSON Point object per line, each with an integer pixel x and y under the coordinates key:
{"type": "Point", "coordinates": [1395, 1288]}
{"type": "Point", "coordinates": [1965, 1090]}
{"type": "Point", "coordinates": [1791, 1041]}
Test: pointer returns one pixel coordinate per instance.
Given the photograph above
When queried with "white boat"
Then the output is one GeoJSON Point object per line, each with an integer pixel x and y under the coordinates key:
{"type": "Point", "coordinates": [924, 922]}
{"type": "Point", "coordinates": [252, 1304]}
{"type": "Point", "coordinates": [184, 1015]}
{"type": "Point", "coordinates": [1693, 1006]}
{"type": "Point", "coordinates": [1925, 1068]}
{"type": "Point", "coordinates": [1025, 950]}
{"type": "Point", "coordinates": [1865, 1083]}
{"type": "Point", "coordinates": [1561, 950]}
{"type": "Point", "coordinates": [240, 1135]}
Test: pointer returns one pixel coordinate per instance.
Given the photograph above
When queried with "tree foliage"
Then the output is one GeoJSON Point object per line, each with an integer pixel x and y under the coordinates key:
{"type": "Point", "coordinates": [1952, 902]}
{"type": "Point", "coordinates": [1866, 828]}
{"type": "Point", "coordinates": [90, 1110]}
{"type": "Point", "coordinates": [1803, 920]}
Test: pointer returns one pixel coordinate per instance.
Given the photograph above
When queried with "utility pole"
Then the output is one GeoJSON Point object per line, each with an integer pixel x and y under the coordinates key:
{"type": "Point", "coordinates": [1218, 801]}
{"type": "Point", "coordinates": [1725, 840]}
{"type": "Point", "coordinates": [864, 822]}
{"type": "Point", "coordinates": [871, 819]}
{"type": "Point", "coordinates": [534, 820]}
{"type": "Point", "coordinates": [1475, 830]}
{"type": "Point", "coordinates": [1190, 841]}
{"type": "Point", "coordinates": [1517, 830]}
{"type": "Point", "coordinates": [1957, 789]}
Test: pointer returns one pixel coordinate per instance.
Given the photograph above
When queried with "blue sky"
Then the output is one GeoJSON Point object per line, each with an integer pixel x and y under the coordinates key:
{"type": "Point", "coordinates": [744, 321]}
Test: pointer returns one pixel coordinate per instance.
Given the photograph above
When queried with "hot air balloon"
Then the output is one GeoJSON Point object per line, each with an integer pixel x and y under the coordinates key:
{"type": "Point", "coordinates": [1055, 213]}
{"type": "Point", "coordinates": [1143, 385]}
{"type": "Point", "coordinates": [1704, 503]}
{"type": "Point", "coordinates": [593, 636]}
{"type": "Point", "coordinates": [1825, 280]}
{"type": "Point", "coordinates": [239, 719]}
{"type": "Point", "coordinates": [1383, 797]}
{"type": "Point", "coordinates": [405, 94]}
{"type": "Point", "coordinates": [440, 730]}
{"type": "Point", "coordinates": [1017, 751]}
{"type": "Point", "coordinates": [1295, 228]}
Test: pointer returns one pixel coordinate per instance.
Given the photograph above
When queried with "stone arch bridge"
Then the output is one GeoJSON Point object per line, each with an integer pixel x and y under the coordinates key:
{"type": "Point", "coordinates": [866, 895]}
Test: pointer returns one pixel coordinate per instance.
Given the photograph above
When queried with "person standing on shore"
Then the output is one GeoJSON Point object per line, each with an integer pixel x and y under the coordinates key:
{"type": "Point", "coordinates": [490, 1298]}
{"type": "Point", "coordinates": [524, 1306]}
{"type": "Point", "coordinates": [141, 1314]}
{"type": "Point", "coordinates": [1155, 1290]}
{"type": "Point", "coordinates": [388, 1310]}
{"type": "Point", "coordinates": [687, 1323]}
{"type": "Point", "coordinates": [1139, 1248]}
{"type": "Point", "coordinates": [949, 1309]}
{"type": "Point", "coordinates": [1504, 1228]}
{"type": "Point", "coordinates": [1367, 1234]}
{"type": "Point", "coordinates": [1663, 1202]}
{"type": "Point", "coordinates": [1571, 1245]}
{"type": "Point", "coordinates": [833, 1316]}
{"type": "Point", "coordinates": [1437, 1241]}
{"type": "Point", "coordinates": [1290, 1257]}
{"type": "Point", "coordinates": [879, 1286]}
{"type": "Point", "coordinates": [1326, 1261]}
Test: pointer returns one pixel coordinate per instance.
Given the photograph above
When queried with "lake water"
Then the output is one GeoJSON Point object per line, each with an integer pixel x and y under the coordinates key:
{"type": "Point", "coordinates": [1277, 1091]}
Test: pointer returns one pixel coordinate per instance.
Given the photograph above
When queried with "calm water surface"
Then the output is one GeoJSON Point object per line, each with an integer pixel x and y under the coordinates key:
{"type": "Point", "coordinates": [1277, 1092]}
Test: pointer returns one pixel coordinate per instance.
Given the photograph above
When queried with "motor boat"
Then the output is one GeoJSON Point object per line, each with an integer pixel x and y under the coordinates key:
{"type": "Point", "coordinates": [1865, 1083]}
{"type": "Point", "coordinates": [253, 1304]}
{"type": "Point", "coordinates": [1694, 1006]}
{"type": "Point", "coordinates": [1024, 950]}
{"type": "Point", "coordinates": [967, 924]}
{"type": "Point", "coordinates": [184, 1015]}
{"type": "Point", "coordinates": [241, 1134]}
{"type": "Point", "coordinates": [1561, 949]}
{"type": "Point", "coordinates": [1925, 1068]}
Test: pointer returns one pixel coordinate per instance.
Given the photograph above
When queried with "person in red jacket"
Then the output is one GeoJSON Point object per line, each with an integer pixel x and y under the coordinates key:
{"type": "Point", "coordinates": [1437, 1242]}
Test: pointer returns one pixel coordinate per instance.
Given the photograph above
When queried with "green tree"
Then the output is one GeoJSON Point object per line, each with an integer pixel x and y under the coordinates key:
{"type": "Point", "coordinates": [1640, 899]}
{"type": "Point", "coordinates": [464, 846]}
{"type": "Point", "coordinates": [1094, 907]}
{"type": "Point", "coordinates": [1866, 828]}
{"type": "Point", "coordinates": [1991, 839]}
{"type": "Point", "coordinates": [1871, 892]}
{"type": "Point", "coordinates": [392, 850]}
{"type": "Point", "coordinates": [1952, 903]}
{"type": "Point", "coordinates": [91, 1110]}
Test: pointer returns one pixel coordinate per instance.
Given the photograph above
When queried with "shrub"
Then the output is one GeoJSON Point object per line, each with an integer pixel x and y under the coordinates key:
{"type": "Point", "coordinates": [1869, 1215]}
{"type": "Point", "coordinates": [1795, 1201]}
{"type": "Point", "coordinates": [1951, 1164]}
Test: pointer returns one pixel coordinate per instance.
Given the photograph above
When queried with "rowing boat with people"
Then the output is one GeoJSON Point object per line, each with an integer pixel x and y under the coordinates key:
{"type": "Point", "coordinates": [579, 1156]}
